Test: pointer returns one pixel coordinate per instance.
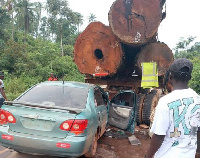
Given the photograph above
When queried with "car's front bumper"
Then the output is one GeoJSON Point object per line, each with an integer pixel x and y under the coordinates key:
{"type": "Point", "coordinates": [44, 145]}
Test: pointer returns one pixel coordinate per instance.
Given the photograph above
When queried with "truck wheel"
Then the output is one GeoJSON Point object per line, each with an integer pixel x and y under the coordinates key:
{"type": "Point", "coordinates": [140, 101]}
{"type": "Point", "coordinates": [93, 148]}
{"type": "Point", "coordinates": [150, 103]}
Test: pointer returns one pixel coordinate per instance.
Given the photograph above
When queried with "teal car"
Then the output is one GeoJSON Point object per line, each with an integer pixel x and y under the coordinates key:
{"type": "Point", "coordinates": [58, 118]}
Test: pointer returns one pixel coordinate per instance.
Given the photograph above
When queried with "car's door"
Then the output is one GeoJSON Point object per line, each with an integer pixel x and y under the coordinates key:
{"type": "Point", "coordinates": [122, 110]}
{"type": "Point", "coordinates": [100, 99]}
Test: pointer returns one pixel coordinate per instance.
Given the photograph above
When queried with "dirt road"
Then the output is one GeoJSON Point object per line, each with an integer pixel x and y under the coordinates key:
{"type": "Point", "coordinates": [119, 145]}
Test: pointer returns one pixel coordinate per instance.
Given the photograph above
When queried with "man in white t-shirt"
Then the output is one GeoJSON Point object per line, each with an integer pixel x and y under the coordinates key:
{"type": "Point", "coordinates": [2, 92]}
{"type": "Point", "coordinates": [177, 117]}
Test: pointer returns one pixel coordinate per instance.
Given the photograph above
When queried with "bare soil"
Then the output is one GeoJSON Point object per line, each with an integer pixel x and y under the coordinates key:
{"type": "Point", "coordinates": [120, 146]}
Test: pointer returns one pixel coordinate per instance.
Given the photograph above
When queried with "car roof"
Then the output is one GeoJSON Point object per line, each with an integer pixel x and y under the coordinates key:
{"type": "Point", "coordinates": [68, 84]}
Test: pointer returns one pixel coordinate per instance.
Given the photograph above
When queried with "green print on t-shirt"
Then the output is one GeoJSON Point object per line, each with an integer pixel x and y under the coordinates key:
{"type": "Point", "coordinates": [180, 118]}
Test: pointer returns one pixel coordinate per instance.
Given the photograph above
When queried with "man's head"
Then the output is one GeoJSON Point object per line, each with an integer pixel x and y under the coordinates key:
{"type": "Point", "coordinates": [52, 74]}
{"type": "Point", "coordinates": [181, 70]}
{"type": "Point", "coordinates": [1, 75]}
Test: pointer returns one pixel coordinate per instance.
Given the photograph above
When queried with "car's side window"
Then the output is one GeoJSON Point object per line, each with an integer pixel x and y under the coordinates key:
{"type": "Point", "coordinates": [98, 97]}
{"type": "Point", "coordinates": [125, 99]}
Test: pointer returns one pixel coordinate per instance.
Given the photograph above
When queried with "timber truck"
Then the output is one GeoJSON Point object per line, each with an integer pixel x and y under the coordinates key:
{"type": "Point", "coordinates": [114, 56]}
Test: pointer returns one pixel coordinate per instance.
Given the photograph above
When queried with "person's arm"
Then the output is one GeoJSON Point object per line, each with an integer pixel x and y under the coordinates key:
{"type": "Point", "coordinates": [160, 126]}
{"type": "Point", "coordinates": [156, 142]}
{"type": "Point", "coordinates": [3, 93]}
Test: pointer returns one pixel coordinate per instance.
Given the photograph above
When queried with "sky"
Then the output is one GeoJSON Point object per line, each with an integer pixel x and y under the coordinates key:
{"type": "Point", "coordinates": [182, 20]}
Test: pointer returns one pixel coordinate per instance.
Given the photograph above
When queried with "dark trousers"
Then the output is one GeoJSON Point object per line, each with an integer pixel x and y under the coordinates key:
{"type": "Point", "coordinates": [1, 101]}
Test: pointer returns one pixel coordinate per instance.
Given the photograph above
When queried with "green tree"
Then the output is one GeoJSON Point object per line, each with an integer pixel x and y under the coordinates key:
{"type": "Point", "coordinates": [183, 48]}
{"type": "Point", "coordinates": [62, 21]}
{"type": "Point", "coordinates": [44, 28]}
{"type": "Point", "coordinates": [91, 18]}
{"type": "Point", "coordinates": [4, 25]}
{"type": "Point", "coordinates": [11, 56]}
{"type": "Point", "coordinates": [195, 81]}
{"type": "Point", "coordinates": [9, 5]}
{"type": "Point", "coordinates": [65, 67]}
{"type": "Point", "coordinates": [78, 20]}
{"type": "Point", "coordinates": [18, 32]}
{"type": "Point", "coordinates": [27, 16]}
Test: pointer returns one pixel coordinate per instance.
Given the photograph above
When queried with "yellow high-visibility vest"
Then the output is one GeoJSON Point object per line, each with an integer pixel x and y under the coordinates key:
{"type": "Point", "coordinates": [149, 75]}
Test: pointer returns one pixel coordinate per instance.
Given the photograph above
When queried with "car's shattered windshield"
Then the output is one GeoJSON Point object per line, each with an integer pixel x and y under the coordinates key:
{"type": "Point", "coordinates": [56, 96]}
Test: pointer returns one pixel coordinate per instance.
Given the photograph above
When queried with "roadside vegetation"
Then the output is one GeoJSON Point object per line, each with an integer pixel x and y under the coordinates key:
{"type": "Point", "coordinates": [37, 39]}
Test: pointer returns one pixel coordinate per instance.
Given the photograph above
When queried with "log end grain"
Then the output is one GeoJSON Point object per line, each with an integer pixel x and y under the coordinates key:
{"type": "Point", "coordinates": [135, 21]}
{"type": "Point", "coordinates": [98, 50]}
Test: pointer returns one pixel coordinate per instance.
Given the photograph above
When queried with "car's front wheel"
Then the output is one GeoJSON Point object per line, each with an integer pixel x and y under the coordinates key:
{"type": "Point", "coordinates": [93, 148]}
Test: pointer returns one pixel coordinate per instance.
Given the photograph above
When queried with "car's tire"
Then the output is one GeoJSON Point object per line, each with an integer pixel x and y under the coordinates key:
{"type": "Point", "coordinates": [93, 148]}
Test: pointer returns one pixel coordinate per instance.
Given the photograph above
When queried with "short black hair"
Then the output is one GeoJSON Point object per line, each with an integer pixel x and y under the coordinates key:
{"type": "Point", "coordinates": [181, 69]}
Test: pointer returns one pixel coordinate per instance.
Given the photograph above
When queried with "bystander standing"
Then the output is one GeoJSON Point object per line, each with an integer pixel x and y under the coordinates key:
{"type": "Point", "coordinates": [2, 92]}
{"type": "Point", "coordinates": [52, 77]}
{"type": "Point", "coordinates": [177, 116]}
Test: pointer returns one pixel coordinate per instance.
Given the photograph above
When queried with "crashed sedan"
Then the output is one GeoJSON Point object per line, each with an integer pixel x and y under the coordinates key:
{"type": "Point", "coordinates": [58, 118]}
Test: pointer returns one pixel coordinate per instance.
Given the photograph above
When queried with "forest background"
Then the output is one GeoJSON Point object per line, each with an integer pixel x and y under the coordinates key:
{"type": "Point", "coordinates": [33, 45]}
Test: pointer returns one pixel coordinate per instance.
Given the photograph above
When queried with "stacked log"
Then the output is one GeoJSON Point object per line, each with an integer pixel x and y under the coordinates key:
{"type": "Point", "coordinates": [98, 50]}
{"type": "Point", "coordinates": [156, 52]}
{"type": "Point", "coordinates": [130, 39]}
{"type": "Point", "coordinates": [135, 21]}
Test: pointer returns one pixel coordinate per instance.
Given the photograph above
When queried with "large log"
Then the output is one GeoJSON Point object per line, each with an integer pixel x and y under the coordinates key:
{"type": "Point", "coordinates": [135, 22]}
{"type": "Point", "coordinates": [98, 50]}
{"type": "Point", "coordinates": [155, 52]}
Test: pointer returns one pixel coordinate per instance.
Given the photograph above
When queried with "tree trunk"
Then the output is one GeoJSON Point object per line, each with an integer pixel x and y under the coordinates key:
{"type": "Point", "coordinates": [155, 52]}
{"type": "Point", "coordinates": [61, 41]}
{"type": "Point", "coordinates": [61, 45]}
{"type": "Point", "coordinates": [98, 50]}
{"type": "Point", "coordinates": [13, 27]}
{"type": "Point", "coordinates": [135, 22]}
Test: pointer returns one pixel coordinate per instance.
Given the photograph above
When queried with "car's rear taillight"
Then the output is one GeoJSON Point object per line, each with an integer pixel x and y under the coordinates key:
{"type": "Point", "coordinates": [6, 117]}
{"type": "Point", "coordinates": [74, 126]}
{"type": "Point", "coordinates": [66, 126]}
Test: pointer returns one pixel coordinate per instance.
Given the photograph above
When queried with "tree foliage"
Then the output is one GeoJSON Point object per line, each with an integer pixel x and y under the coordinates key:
{"type": "Point", "coordinates": [4, 27]}
{"type": "Point", "coordinates": [33, 46]}
{"type": "Point", "coordinates": [91, 18]}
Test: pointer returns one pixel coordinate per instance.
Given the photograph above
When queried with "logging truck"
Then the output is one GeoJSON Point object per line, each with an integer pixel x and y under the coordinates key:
{"type": "Point", "coordinates": [112, 55]}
